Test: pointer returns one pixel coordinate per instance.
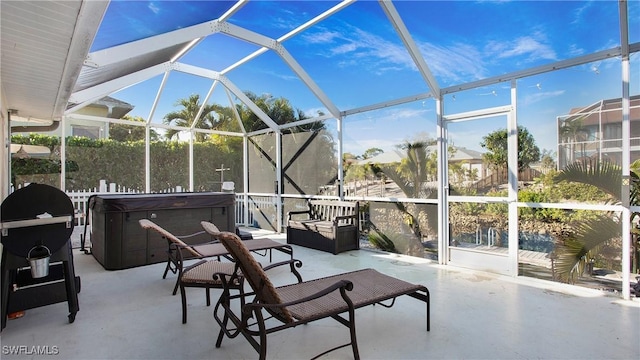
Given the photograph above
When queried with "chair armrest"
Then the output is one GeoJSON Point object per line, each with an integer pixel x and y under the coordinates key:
{"type": "Point", "coordinates": [181, 237]}
{"type": "Point", "coordinates": [297, 263]}
{"type": "Point", "coordinates": [194, 265]}
{"type": "Point", "coordinates": [189, 235]}
{"type": "Point", "coordinates": [298, 212]}
{"type": "Point", "coordinates": [340, 284]}
{"type": "Point", "coordinates": [179, 248]}
{"type": "Point", "coordinates": [293, 264]}
{"type": "Point", "coordinates": [337, 219]}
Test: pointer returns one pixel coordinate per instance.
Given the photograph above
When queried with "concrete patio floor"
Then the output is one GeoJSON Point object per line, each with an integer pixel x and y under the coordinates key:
{"type": "Point", "coordinates": [131, 314]}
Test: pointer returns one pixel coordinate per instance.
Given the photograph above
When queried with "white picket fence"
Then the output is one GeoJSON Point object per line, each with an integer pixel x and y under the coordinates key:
{"type": "Point", "coordinates": [80, 198]}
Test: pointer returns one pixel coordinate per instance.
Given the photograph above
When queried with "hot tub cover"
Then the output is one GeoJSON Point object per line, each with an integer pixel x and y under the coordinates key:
{"type": "Point", "coordinates": [143, 202]}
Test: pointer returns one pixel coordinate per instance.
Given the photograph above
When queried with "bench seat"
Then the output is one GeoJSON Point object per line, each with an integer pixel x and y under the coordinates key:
{"type": "Point", "coordinates": [330, 226]}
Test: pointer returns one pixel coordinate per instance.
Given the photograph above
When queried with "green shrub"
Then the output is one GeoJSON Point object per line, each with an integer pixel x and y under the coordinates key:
{"type": "Point", "coordinates": [539, 214]}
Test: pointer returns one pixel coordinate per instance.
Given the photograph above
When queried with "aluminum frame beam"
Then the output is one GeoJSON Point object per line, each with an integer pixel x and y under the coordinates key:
{"type": "Point", "coordinates": [140, 47]}
{"type": "Point", "coordinates": [626, 153]}
{"type": "Point", "coordinates": [410, 45]}
{"type": "Point", "coordinates": [292, 33]}
{"type": "Point", "coordinates": [204, 103]}
{"type": "Point", "coordinates": [89, 95]}
{"type": "Point", "coordinates": [580, 60]}
{"type": "Point", "coordinates": [265, 42]}
{"type": "Point", "coordinates": [307, 80]}
{"type": "Point", "coordinates": [90, 12]}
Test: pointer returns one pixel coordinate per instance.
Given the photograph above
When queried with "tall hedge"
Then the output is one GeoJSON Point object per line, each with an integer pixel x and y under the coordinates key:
{"type": "Point", "coordinates": [123, 163]}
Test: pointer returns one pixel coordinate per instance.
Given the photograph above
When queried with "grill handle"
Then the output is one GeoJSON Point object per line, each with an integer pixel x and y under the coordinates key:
{"type": "Point", "coordinates": [5, 226]}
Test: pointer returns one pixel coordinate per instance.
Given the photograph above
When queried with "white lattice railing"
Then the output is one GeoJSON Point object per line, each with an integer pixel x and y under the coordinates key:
{"type": "Point", "coordinates": [79, 198]}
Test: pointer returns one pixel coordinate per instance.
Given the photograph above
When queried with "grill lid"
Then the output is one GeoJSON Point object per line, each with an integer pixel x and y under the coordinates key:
{"type": "Point", "coordinates": [33, 202]}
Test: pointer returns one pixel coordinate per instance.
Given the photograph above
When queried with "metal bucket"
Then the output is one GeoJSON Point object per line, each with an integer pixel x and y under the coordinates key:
{"type": "Point", "coordinates": [40, 263]}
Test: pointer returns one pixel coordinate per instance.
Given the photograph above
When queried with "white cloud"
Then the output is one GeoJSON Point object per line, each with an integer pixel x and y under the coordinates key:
{"type": "Point", "coordinates": [364, 49]}
{"type": "Point", "coordinates": [574, 50]}
{"type": "Point", "coordinates": [451, 63]}
{"type": "Point", "coordinates": [532, 46]}
{"type": "Point", "coordinates": [321, 37]}
{"type": "Point", "coordinates": [287, 77]}
{"type": "Point", "coordinates": [469, 139]}
{"type": "Point", "coordinates": [408, 114]}
{"type": "Point", "coordinates": [153, 7]}
{"type": "Point", "coordinates": [344, 49]}
{"type": "Point", "coordinates": [361, 48]}
{"type": "Point", "coordinates": [539, 96]}
{"type": "Point", "coordinates": [577, 19]}
{"type": "Point", "coordinates": [287, 21]}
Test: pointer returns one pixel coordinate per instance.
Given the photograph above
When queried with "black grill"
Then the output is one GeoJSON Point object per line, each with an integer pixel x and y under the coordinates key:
{"type": "Point", "coordinates": [33, 218]}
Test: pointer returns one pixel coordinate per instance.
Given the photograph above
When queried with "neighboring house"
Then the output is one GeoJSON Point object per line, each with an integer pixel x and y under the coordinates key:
{"type": "Point", "coordinates": [595, 131]}
{"type": "Point", "coordinates": [393, 156]}
{"type": "Point", "coordinates": [468, 159]}
{"type": "Point", "coordinates": [106, 107]}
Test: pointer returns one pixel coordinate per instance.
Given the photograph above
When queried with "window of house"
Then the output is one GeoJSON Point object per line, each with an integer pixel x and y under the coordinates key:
{"type": "Point", "coordinates": [91, 132]}
{"type": "Point", "coordinates": [613, 131]}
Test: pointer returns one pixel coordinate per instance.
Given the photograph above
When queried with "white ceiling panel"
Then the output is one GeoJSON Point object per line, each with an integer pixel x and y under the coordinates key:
{"type": "Point", "coordinates": [43, 46]}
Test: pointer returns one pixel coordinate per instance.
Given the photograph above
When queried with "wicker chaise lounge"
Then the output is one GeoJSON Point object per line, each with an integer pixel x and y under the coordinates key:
{"type": "Point", "coordinates": [299, 303]}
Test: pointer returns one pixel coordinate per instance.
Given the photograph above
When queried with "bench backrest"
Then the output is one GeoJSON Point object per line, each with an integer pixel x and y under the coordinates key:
{"type": "Point", "coordinates": [328, 210]}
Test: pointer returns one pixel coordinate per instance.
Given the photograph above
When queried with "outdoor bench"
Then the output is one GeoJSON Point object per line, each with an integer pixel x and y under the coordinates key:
{"type": "Point", "coordinates": [326, 225]}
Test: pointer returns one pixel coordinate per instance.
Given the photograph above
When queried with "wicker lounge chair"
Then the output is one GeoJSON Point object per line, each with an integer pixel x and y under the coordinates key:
{"type": "Point", "coordinates": [204, 274]}
{"type": "Point", "coordinates": [178, 250]}
{"type": "Point", "coordinates": [299, 303]}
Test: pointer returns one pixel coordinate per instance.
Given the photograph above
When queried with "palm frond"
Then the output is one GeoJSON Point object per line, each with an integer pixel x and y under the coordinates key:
{"type": "Point", "coordinates": [634, 196]}
{"type": "Point", "coordinates": [382, 241]}
{"type": "Point", "coordinates": [605, 175]}
{"type": "Point", "coordinates": [584, 243]}
{"type": "Point", "coordinates": [391, 172]}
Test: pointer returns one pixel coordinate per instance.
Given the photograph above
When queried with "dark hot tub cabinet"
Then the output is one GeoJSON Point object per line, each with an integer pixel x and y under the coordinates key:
{"type": "Point", "coordinates": [118, 241]}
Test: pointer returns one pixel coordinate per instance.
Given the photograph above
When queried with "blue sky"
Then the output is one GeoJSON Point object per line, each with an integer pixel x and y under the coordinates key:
{"type": "Point", "coordinates": [357, 59]}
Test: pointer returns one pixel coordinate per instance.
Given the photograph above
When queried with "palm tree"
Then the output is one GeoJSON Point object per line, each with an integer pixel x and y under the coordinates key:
{"type": "Point", "coordinates": [186, 116]}
{"type": "Point", "coordinates": [279, 110]}
{"type": "Point", "coordinates": [591, 236]}
{"type": "Point", "coordinates": [226, 119]}
{"type": "Point", "coordinates": [411, 176]}
{"type": "Point", "coordinates": [123, 132]}
{"type": "Point", "coordinates": [573, 132]}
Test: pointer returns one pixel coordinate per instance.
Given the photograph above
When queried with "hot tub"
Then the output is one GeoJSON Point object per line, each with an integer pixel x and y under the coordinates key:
{"type": "Point", "coordinates": [118, 241]}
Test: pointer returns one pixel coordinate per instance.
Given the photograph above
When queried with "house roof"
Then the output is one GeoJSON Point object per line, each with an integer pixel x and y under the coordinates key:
{"type": "Point", "coordinates": [464, 154]}
{"type": "Point", "coordinates": [396, 156]}
{"type": "Point", "coordinates": [116, 108]}
{"type": "Point", "coordinates": [393, 156]}
{"type": "Point", "coordinates": [606, 111]}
